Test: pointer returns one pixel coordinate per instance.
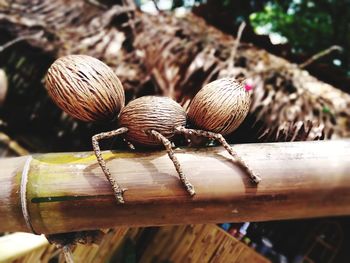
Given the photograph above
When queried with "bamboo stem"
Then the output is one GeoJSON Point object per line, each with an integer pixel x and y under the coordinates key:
{"type": "Point", "coordinates": [68, 191]}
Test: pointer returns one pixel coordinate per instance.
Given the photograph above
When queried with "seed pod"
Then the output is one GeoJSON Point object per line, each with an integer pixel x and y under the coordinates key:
{"type": "Point", "coordinates": [147, 113]}
{"type": "Point", "coordinates": [85, 88]}
{"type": "Point", "coordinates": [220, 106]}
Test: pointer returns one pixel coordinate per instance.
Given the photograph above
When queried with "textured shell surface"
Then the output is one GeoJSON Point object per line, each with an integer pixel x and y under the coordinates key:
{"type": "Point", "coordinates": [220, 106]}
{"type": "Point", "coordinates": [151, 113]}
{"type": "Point", "coordinates": [85, 88]}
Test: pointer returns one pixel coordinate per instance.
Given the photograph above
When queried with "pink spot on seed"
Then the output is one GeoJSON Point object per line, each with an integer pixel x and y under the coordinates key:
{"type": "Point", "coordinates": [248, 87]}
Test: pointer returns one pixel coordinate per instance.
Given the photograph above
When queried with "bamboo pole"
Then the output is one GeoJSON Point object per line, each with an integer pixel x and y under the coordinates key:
{"type": "Point", "coordinates": [68, 191]}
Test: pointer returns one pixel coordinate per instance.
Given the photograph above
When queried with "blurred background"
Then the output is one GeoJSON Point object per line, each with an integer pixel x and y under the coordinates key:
{"type": "Point", "coordinates": [296, 53]}
{"type": "Point", "coordinates": [295, 30]}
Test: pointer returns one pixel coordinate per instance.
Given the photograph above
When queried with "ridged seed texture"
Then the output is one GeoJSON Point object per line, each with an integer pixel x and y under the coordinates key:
{"type": "Point", "coordinates": [147, 113]}
{"type": "Point", "coordinates": [220, 106]}
{"type": "Point", "coordinates": [85, 88]}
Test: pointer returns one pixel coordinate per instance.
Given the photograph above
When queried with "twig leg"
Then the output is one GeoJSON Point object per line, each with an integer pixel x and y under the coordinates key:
{"type": "Point", "coordinates": [130, 145]}
{"type": "Point", "coordinates": [118, 191]}
{"type": "Point", "coordinates": [67, 241]}
{"type": "Point", "coordinates": [67, 253]}
{"type": "Point", "coordinates": [167, 144]}
{"type": "Point", "coordinates": [217, 136]}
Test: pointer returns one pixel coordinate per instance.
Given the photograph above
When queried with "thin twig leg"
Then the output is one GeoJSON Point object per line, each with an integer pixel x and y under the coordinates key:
{"type": "Point", "coordinates": [130, 145]}
{"type": "Point", "coordinates": [217, 136]}
{"type": "Point", "coordinates": [67, 253]}
{"type": "Point", "coordinates": [167, 144]}
{"type": "Point", "coordinates": [118, 191]}
{"type": "Point", "coordinates": [67, 241]}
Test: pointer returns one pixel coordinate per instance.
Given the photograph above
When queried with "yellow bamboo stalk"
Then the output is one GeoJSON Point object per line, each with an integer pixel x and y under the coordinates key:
{"type": "Point", "coordinates": [68, 191]}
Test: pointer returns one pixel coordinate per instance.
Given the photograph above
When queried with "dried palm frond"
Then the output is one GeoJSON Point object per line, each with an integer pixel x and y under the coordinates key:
{"type": "Point", "coordinates": [10, 147]}
{"type": "Point", "coordinates": [180, 55]}
{"type": "Point", "coordinates": [188, 53]}
{"type": "Point", "coordinates": [292, 131]}
{"type": "Point", "coordinates": [78, 28]}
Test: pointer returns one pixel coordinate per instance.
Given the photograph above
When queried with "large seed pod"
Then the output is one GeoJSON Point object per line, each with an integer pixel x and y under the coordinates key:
{"type": "Point", "coordinates": [85, 88]}
{"type": "Point", "coordinates": [151, 113]}
{"type": "Point", "coordinates": [220, 106]}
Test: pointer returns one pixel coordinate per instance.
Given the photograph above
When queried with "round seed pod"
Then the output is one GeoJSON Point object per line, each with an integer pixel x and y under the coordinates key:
{"type": "Point", "coordinates": [85, 88]}
{"type": "Point", "coordinates": [147, 113]}
{"type": "Point", "coordinates": [220, 106]}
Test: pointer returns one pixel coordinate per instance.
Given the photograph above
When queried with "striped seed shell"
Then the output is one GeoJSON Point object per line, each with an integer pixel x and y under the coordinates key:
{"type": "Point", "coordinates": [151, 112]}
{"type": "Point", "coordinates": [85, 88]}
{"type": "Point", "coordinates": [220, 106]}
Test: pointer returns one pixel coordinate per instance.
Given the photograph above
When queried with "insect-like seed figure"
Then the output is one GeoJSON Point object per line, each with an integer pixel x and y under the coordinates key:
{"type": "Point", "coordinates": [87, 89]}
{"type": "Point", "coordinates": [148, 121]}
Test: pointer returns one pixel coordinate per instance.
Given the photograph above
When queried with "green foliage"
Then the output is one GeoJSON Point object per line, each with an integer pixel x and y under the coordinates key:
{"type": "Point", "coordinates": [303, 23]}
{"type": "Point", "coordinates": [309, 26]}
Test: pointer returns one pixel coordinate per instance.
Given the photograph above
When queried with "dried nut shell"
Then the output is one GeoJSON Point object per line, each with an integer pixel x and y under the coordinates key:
{"type": "Point", "coordinates": [85, 88]}
{"type": "Point", "coordinates": [151, 113]}
{"type": "Point", "coordinates": [220, 106]}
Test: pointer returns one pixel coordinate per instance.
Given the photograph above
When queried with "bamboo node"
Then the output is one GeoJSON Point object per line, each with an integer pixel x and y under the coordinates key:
{"type": "Point", "coordinates": [23, 195]}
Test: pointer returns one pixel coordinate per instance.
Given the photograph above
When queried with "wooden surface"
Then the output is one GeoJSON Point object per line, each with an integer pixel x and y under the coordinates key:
{"type": "Point", "coordinates": [186, 243]}
{"type": "Point", "coordinates": [197, 243]}
{"type": "Point", "coordinates": [68, 192]}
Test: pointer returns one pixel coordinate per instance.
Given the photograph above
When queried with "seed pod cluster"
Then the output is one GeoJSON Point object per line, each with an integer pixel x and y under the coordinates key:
{"type": "Point", "coordinates": [85, 88]}
{"type": "Point", "coordinates": [148, 113]}
{"type": "Point", "coordinates": [220, 106]}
